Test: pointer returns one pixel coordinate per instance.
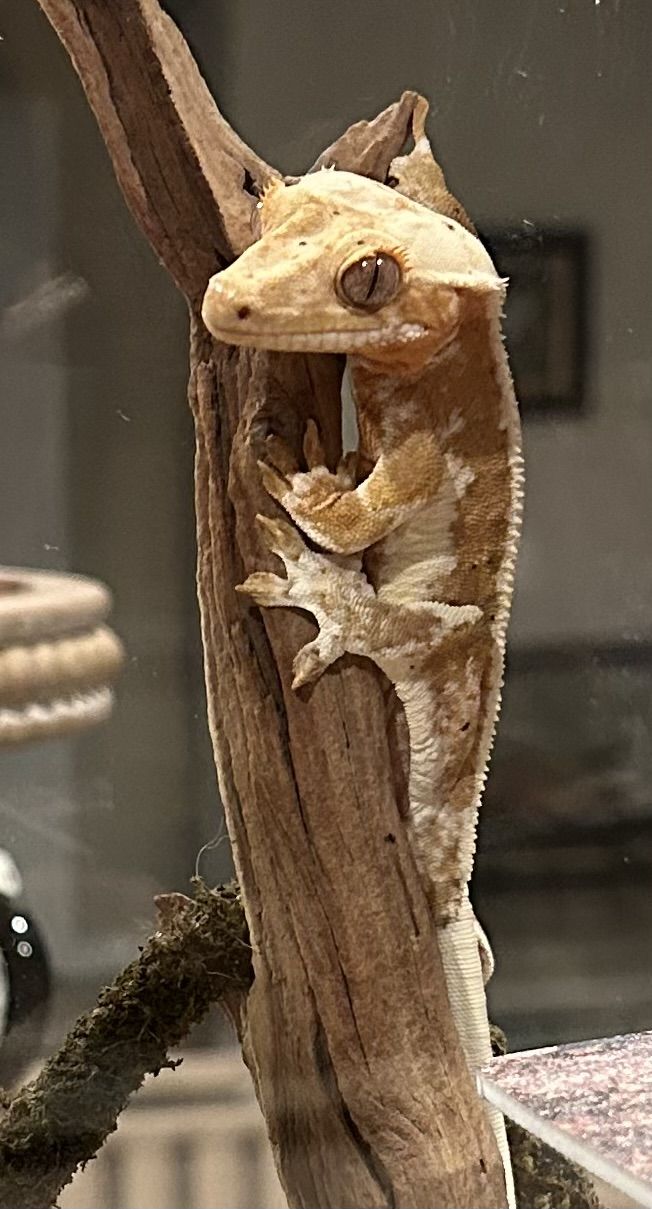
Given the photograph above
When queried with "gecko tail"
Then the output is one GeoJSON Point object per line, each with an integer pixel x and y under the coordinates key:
{"type": "Point", "coordinates": [458, 945]}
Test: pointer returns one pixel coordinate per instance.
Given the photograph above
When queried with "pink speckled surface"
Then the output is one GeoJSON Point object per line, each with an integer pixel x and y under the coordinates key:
{"type": "Point", "coordinates": [592, 1100]}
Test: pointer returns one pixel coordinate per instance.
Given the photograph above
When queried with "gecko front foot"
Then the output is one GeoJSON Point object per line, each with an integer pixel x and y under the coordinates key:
{"type": "Point", "coordinates": [313, 582]}
{"type": "Point", "coordinates": [304, 492]}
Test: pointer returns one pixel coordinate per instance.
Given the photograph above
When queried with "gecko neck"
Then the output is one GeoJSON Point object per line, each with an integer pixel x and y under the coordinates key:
{"type": "Point", "coordinates": [392, 401]}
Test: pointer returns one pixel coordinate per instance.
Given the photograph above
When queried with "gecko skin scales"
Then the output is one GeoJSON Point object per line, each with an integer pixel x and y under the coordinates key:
{"type": "Point", "coordinates": [424, 517]}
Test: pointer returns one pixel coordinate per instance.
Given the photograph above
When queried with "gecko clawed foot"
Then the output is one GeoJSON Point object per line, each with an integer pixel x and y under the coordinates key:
{"type": "Point", "coordinates": [314, 582]}
{"type": "Point", "coordinates": [348, 614]}
{"type": "Point", "coordinates": [305, 491]}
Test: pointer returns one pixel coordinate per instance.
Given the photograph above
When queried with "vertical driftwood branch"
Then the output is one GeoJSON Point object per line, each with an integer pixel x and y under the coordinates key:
{"type": "Point", "coordinates": [346, 1029]}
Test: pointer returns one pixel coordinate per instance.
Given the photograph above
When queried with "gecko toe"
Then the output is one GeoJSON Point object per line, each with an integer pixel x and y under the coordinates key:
{"type": "Point", "coordinates": [280, 537]}
{"type": "Point", "coordinates": [313, 449]}
{"type": "Point", "coordinates": [265, 589]}
{"type": "Point", "coordinates": [347, 469]}
{"type": "Point", "coordinates": [280, 456]}
{"type": "Point", "coordinates": [308, 666]}
{"type": "Point", "coordinates": [274, 483]}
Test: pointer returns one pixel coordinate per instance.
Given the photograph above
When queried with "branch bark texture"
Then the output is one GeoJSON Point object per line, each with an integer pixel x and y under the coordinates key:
{"type": "Point", "coordinates": [346, 1028]}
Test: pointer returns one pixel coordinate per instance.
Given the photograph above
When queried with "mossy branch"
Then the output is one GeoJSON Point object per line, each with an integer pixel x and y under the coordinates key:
{"type": "Point", "coordinates": [199, 955]}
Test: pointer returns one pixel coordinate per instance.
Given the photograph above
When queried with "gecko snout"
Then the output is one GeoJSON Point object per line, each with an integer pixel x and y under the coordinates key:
{"type": "Point", "coordinates": [222, 310]}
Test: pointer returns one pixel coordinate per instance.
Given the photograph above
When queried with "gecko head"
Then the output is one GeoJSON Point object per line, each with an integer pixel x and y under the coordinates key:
{"type": "Point", "coordinates": [344, 264]}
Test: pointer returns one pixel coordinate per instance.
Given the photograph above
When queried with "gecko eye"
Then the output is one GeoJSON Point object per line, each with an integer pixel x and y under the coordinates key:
{"type": "Point", "coordinates": [371, 282]}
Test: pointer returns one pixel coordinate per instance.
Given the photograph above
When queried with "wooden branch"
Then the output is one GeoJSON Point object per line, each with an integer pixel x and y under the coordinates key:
{"type": "Point", "coordinates": [368, 148]}
{"type": "Point", "coordinates": [359, 1073]}
{"type": "Point", "coordinates": [199, 955]}
{"type": "Point", "coordinates": [179, 164]}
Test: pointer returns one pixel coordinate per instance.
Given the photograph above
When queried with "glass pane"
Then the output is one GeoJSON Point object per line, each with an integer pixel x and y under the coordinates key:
{"type": "Point", "coordinates": [542, 117]}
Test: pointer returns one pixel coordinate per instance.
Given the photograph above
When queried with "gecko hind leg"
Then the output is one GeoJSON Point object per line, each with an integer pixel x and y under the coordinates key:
{"type": "Point", "coordinates": [350, 616]}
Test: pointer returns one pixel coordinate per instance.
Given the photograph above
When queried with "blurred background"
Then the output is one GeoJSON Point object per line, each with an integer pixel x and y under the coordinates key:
{"type": "Point", "coordinates": [542, 117]}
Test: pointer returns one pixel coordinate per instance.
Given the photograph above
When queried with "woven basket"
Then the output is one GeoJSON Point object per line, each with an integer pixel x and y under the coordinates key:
{"type": "Point", "coordinates": [58, 659]}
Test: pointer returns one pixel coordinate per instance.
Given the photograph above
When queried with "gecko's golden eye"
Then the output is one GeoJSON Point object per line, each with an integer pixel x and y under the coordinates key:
{"type": "Point", "coordinates": [371, 282]}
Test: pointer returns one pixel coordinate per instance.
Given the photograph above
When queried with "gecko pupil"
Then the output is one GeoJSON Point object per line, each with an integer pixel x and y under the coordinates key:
{"type": "Point", "coordinates": [370, 282]}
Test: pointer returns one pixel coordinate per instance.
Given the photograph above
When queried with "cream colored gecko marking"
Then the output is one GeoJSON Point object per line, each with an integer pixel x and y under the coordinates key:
{"type": "Point", "coordinates": [431, 500]}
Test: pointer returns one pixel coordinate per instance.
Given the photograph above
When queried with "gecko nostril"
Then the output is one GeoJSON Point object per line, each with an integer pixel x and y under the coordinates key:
{"type": "Point", "coordinates": [244, 312]}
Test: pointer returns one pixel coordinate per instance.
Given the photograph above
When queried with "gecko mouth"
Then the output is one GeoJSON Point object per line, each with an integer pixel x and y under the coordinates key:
{"type": "Point", "coordinates": [322, 342]}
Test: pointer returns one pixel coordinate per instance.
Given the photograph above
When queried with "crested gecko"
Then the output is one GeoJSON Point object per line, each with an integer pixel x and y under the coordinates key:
{"type": "Point", "coordinates": [413, 536]}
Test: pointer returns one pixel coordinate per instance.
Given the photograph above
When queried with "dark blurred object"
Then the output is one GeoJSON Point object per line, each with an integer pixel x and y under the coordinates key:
{"type": "Point", "coordinates": [24, 977]}
{"type": "Point", "coordinates": [545, 315]}
{"type": "Point", "coordinates": [562, 881]}
{"type": "Point", "coordinates": [537, 793]}
{"type": "Point", "coordinates": [574, 751]}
